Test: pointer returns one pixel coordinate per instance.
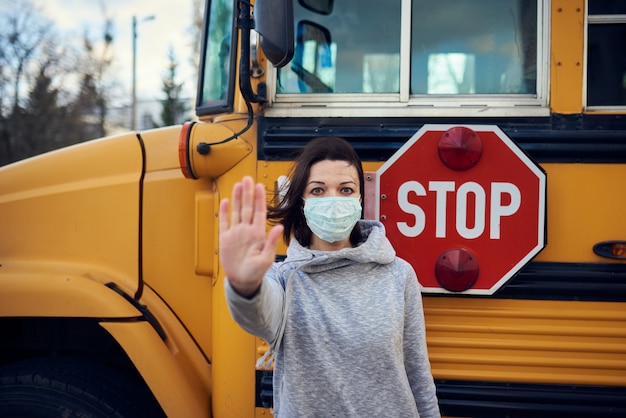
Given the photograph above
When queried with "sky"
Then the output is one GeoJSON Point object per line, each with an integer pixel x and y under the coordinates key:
{"type": "Point", "coordinates": [168, 27]}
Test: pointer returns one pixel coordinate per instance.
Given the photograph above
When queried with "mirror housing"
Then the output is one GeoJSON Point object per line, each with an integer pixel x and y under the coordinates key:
{"type": "Point", "coordinates": [323, 7]}
{"type": "Point", "coordinates": [273, 20]}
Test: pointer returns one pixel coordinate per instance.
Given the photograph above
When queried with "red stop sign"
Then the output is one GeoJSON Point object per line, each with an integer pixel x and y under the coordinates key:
{"type": "Point", "coordinates": [464, 205]}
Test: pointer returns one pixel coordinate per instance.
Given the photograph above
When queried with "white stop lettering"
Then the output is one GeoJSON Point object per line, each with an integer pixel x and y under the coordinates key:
{"type": "Point", "coordinates": [497, 209]}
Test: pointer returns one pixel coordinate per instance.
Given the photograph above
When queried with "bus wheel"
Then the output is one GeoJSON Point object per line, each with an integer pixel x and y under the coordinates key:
{"type": "Point", "coordinates": [64, 387]}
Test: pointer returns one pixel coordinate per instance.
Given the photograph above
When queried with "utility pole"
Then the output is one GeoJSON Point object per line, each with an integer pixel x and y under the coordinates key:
{"type": "Point", "coordinates": [133, 120]}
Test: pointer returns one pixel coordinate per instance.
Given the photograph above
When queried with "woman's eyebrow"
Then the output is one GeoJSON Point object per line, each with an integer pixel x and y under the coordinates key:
{"type": "Point", "coordinates": [343, 183]}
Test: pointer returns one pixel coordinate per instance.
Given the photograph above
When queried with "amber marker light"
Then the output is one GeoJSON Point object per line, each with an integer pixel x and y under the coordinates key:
{"type": "Point", "coordinates": [456, 269]}
{"type": "Point", "coordinates": [611, 249]}
{"type": "Point", "coordinates": [460, 148]}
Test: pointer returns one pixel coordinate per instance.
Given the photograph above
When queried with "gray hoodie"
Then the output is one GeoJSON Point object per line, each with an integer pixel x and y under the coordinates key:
{"type": "Point", "coordinates": [347, 329]}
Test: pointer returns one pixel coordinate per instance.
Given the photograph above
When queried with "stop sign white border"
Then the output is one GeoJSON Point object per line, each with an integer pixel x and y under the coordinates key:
{"type": "Point", "coordinates": [541, 215]}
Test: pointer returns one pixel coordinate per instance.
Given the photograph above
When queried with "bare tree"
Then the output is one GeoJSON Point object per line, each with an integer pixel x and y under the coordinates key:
{"type": "Point", "coordinates": [26, 30]}
{"type": "Point", "coordinates": [23, 32]}
{"type": "Point", "coordinates": [92, 101]}
{"type": "Point", "coordinates": [195, 31]}
{"type": "Point", "coordinates": [40, 107]}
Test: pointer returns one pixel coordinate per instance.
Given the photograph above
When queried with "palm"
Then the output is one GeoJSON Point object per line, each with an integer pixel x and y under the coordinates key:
{"type": "Point", "coordinates": [246, 252]}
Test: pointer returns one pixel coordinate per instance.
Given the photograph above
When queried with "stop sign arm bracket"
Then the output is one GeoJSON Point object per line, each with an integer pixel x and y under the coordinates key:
{"type": "Point", "coordinates": [369, 200]}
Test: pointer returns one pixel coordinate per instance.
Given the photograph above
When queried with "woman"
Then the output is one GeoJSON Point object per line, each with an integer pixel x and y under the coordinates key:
{"type": "Point", "coordinates": [342, 314]}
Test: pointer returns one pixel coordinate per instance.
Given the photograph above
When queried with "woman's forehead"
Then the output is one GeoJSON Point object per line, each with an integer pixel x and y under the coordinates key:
{"type": "Point", "coordinates": [333, 170]}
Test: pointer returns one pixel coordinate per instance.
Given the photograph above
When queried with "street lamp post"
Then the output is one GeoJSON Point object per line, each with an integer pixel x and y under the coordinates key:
{"type": "Point", "coordinates": [133, 120]}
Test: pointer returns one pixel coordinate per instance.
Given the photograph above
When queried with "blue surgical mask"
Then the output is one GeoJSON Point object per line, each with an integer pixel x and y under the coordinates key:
{"type": "Point", "coordinates": [332, 218]}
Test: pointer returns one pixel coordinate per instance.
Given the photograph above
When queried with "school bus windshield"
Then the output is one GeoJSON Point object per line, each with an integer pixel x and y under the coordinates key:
{"type": "Point", "coordinates": [216, 80]}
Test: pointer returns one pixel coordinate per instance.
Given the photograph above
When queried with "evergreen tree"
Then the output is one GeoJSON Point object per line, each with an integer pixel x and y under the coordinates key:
{"type": "Point", "coordinates": [174, 108]}
{"type": "Point", "coordinates": [88, 108]}
{"type": "Point", "coordinates": [42, 117]}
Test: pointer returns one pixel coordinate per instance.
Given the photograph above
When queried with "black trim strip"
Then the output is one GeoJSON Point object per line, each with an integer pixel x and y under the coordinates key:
{"type": "Point", "coordinates": [601, 282]}
{"type": "Point", "coordinates": [145, 312]}
{"type": "Point", "coordinates": [264, 389]}
{"type": "Point", "coordinates": [588, 282]}
{"type": "Point", "coordinates": [516, 400]}
{"type": "Point", "coordinates": [503, 399]}
{"type": "Point", "coordinates": [560, 138]}
{"type": "Point", "coordinates": [140, 283]}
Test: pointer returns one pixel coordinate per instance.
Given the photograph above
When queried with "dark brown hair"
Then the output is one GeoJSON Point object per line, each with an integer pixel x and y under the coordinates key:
{"type": "Point", "coordinates": [289, 205]}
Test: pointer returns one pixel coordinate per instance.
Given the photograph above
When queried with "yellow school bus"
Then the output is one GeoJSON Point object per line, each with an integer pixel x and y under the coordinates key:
{"type": "Point", "coordinates": [111, 292]}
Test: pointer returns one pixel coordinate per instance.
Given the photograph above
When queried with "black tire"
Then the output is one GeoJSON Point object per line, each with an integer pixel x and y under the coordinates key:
{"type": "Point", "coordinates": [70, 388]}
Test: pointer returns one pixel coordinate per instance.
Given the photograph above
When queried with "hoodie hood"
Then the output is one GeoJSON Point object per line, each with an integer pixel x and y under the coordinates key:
{"type": "Point", "coordinates": [375, 248]}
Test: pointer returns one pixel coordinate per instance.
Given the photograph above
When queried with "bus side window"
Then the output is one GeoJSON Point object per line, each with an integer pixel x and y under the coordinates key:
{"type": "Point", "coordinates": [350, 47]}
{"type": "Point", "coordinates": [606, 55]}
{"type": "Point", "coordinates": [485, 47]}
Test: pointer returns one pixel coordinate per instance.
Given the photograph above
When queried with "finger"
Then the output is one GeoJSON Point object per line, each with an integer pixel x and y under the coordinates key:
{"type": "Point", "coordinates": [273, 237]}
{"type": "Point", "coordinates": [235, 215]}
{"type": "Point", "coordinates": [260, 206]}
{"type": "Point", "coordinates": [223, 216]}
{"type": "Point", "coordinates": [247, 200]}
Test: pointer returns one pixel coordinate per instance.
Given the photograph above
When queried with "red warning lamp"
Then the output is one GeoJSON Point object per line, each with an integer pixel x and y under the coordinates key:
{"type": "Point", "coordinates": [183, 152]}
{"type": "Point", "coordinates": [456, 270]}
{"type": "Point", "coordinates": [460, 148]}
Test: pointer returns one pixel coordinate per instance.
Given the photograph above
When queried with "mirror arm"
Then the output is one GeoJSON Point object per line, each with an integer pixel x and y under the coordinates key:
{"type": "Point", "coordinates": [256, 69]}
{"type": "Point", "coordinates": [246, 24]}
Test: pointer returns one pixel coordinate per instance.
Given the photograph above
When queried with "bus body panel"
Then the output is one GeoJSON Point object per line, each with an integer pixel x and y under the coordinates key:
{"type": "Point", "coordinates": [566, 63]}
{"type": "Point", "coordinates": [178, 389]}
{"type": "Point", "coordinates": [78, 205]}
{"type": "Point", "coordinates": [59, 290]}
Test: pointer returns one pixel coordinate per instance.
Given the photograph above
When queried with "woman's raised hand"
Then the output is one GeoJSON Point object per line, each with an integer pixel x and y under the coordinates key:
{"type": "Point", "coordinates": [246, 251]}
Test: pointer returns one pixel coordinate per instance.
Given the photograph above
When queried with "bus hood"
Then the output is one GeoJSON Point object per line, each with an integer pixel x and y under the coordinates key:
{"type": "Point", "coordinates": [77, 206]}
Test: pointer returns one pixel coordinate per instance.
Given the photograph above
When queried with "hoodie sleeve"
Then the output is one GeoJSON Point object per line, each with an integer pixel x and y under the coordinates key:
{"type": "Point", "coordinates": [416, 359]}
{"type": "Point", "coordinates": [260, 315]}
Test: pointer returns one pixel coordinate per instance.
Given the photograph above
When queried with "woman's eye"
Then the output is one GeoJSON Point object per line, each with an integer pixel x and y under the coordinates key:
{"type": "Point", "coordinates": [347, 190]}
{"type": "Point", "coordinates": [317, 191]}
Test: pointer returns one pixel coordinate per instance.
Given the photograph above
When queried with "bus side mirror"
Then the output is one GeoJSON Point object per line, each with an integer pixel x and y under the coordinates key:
{"type": "Point", "coordinates": [273, 20]}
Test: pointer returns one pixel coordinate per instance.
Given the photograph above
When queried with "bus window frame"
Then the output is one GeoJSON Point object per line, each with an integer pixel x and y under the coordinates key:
{"type": "Point", "coordinates": [405, 104]}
